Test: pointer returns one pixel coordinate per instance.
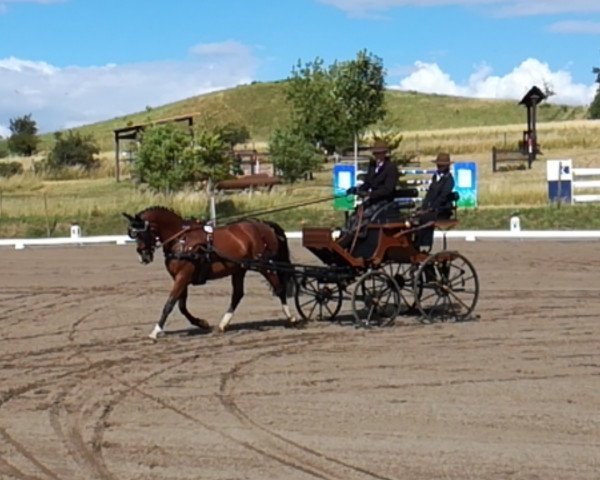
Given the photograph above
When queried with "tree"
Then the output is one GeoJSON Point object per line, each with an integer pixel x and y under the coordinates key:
{"type": "Point", "coordinates": [23, 139]}
{"type": "Point", "coordinates": [331, 106]}
{"type": "Point", "coordinates": [209, 160]}
{"type": "Point", "coordinates": [168, 159]}
{"type": "Point", "coordinates": [292, 154]}
{"type": "Point", "coordinates": [232, 133]}
{"type": "Point", "coordinates": [594, 110]}
{"type": "Point", "coordinates": [359, 91]}
{"type": "Point", "coordinates": [314, 110]}
{"type": "Point", "coordinates": [161, 152]}
{"type": "Point", "coordinates": [73, 150]}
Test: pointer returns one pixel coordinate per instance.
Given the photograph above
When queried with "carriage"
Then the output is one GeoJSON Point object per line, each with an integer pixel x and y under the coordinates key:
{"type": "Point", "coordinates": [383, 271]}
{"type": "Point", "coordinates": [385, 275]}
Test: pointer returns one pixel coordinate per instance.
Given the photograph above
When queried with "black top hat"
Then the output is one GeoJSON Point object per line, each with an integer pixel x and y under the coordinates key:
{"type": "Point", "coordinates": [442, 160]}
{"type": "Point", "coordinates": [379, 148]}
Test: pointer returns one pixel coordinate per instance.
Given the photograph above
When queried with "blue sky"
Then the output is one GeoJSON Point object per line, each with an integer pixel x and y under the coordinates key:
{"type": "Point", "coordinates": [73, 62]}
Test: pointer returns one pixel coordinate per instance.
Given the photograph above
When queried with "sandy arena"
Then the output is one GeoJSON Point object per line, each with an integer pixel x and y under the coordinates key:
{"type": "Point", "coordinates": [85, 395]}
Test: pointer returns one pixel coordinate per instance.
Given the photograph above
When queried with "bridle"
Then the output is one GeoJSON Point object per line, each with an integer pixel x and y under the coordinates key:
{"type": "Point", "coordinates": [147, 240]}
{"type": "Point", "coordinates": [147, 236]}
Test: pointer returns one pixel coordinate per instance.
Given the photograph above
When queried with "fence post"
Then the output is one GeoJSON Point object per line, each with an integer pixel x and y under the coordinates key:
{"type": "Point", "coordinates": [46, 215]}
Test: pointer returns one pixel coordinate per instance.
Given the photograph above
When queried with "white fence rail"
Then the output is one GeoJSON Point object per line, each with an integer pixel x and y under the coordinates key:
{"type": "Point", "coordinates": [468, 235]}
{"type": "Point", "coordinates": [587, 185]}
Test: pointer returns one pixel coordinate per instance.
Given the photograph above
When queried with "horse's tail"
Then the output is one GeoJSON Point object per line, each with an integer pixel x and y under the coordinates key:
{"type": "Point", "coordinates": [285, 275]}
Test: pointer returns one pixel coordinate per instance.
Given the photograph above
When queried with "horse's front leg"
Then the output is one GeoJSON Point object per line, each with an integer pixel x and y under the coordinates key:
{"type": "Point", "coordinates": [237, 282]}
{"type": "Point", "coordinates": [197, 322]}
{"type": "Point", "coordinates": [180, 284]}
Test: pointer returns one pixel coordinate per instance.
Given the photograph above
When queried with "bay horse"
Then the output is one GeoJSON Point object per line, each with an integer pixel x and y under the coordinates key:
{"type": "Point", "coordinates": [195, 252]}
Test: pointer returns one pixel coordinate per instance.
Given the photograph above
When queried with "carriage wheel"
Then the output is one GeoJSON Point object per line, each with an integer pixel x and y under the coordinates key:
{"type": "Point", "coordinates": [446, 287]}
{"type": "Point", "coordinates": [404, 275]}
{"type": "Point", "coordinates": [317, 301]}
{"type": "Point", "coordinates": [375, 299]}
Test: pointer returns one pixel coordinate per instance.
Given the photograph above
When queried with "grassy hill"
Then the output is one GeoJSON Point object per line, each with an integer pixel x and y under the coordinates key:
{"type": "Point", "coordinates": [262, 107]}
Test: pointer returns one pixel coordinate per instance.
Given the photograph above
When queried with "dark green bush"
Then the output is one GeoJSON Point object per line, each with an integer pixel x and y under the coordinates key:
{"type": "Point", "coordinates": [11, 168]}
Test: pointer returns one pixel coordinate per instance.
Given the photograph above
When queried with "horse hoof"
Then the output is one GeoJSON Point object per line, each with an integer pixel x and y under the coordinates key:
{"type": "Point", "coordinates": [156, 334]}
{"type": "Point", "coordinates": [202, 324]}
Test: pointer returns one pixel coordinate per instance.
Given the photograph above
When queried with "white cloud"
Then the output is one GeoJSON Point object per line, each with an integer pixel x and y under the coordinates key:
{"type": "Point", "coordinates": [59, 98]}
{"type": "Point", "coordinates": [574, 26]}
{"type": "Point", "coordinates": [500, 7]}
{"type": "Point", "coordinates": [4, 3]}
{"type": "Point", "coordinates": [429, 78]}
{"type": "Point", "coordinates": [227, 48]}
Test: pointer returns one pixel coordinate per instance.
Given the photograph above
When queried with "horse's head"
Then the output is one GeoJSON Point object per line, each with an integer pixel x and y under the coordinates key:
{"type": "Point", "coordinates": [146, 238]}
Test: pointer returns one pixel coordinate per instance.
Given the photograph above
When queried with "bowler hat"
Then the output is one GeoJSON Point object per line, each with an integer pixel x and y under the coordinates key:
{"type": "Point", "coordinates": [442, 159]}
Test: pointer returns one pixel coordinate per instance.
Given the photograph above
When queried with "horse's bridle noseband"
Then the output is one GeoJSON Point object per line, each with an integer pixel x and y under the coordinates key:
{"type": "Point", "coordinates": [148, 237]}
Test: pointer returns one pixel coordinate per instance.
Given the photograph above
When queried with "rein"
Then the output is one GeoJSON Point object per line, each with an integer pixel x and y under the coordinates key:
{"type": "Point", "coordinates": [256, 213]}
{"type": "Point", "coordinates": [185, 229]}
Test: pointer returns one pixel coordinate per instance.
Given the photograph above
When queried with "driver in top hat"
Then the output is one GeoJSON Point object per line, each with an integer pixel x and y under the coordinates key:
{"type": "Point", "coordinates": [381, 178]}
{"type": "Point", "coordinates": [437, 203]}
{"type": "Point", "coordinates": [377, 189]}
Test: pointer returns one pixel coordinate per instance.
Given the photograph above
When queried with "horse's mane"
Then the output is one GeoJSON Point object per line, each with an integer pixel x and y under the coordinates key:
{"type": "Point", "coordinates": [159, 208]}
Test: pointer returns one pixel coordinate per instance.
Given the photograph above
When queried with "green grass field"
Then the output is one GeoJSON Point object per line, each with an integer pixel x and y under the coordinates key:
{"type": "Point", "coordinates": [31, 206]}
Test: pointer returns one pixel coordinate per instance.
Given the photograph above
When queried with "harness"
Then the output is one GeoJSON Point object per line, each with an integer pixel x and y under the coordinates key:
{"type": "Point", "coordinates": [203, 253]}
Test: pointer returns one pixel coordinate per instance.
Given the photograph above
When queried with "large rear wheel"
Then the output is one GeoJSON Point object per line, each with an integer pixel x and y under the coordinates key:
{"type": "Point", "coordinates": [446, 288]}
{"type": "Point", "coordinates": [404, 276]}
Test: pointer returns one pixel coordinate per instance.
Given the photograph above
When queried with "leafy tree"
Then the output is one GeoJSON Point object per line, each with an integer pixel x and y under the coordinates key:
{"type": "Point", "coordinates": [161, 154]}
{"type": "Point", "coordinates": [332, 106]}
{"type": "Point", "coordinates": [209, 159]}
{"type": "Point", "coordinates": [292, 154]}
{"type": "Point", "coordinates": [594, 110]}
{"type": "Point", "coordinates": [314, 110]}
{"type": "Point", "coordinates": [168, 159]}
{"type": "Point", "coordinates": [23, 139]}
{"type": "Point", "coordinates": [359, 91]}
{"type": "Point", "coordinates": [232, 133]}
{"type": "Point", "coordinates": [73, 150]}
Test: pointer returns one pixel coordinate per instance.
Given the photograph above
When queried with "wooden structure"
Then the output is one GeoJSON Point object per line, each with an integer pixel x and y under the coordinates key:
{"type": "Point", "coordinates": [531, 100]}
{"type": "Point", "coordinates": [131, 133]}
{"type": "Point", "coordinates": [516, 157]}
{"type": "Point", "coordinates": [249, 182]}
{"type": "Point", "coordinates": [528, 147]}
{"type": "Point", "coordinates": [248, 162]}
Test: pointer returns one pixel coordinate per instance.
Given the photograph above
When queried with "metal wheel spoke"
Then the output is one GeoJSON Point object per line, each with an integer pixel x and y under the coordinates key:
{"type": "Point", "coordinates": [458, 299]}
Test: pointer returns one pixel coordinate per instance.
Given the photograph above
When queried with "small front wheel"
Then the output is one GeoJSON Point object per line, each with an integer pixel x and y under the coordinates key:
{"type": "Point", "coordinates": [375, 300]}
{"type": "Point", "coordinates": [316, 300]}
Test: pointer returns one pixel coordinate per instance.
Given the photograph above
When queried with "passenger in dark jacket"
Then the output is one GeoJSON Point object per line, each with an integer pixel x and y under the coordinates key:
{"type": "Point", "coordinates": [437, 203]}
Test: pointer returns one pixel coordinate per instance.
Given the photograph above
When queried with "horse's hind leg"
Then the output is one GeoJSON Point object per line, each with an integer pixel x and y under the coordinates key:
{"type": "Point", "coordinates": [198, 322]}
{"type": "Point", "coordinates": [280, 287]}
{"type": "Point", "coordinates": [237, 282]}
